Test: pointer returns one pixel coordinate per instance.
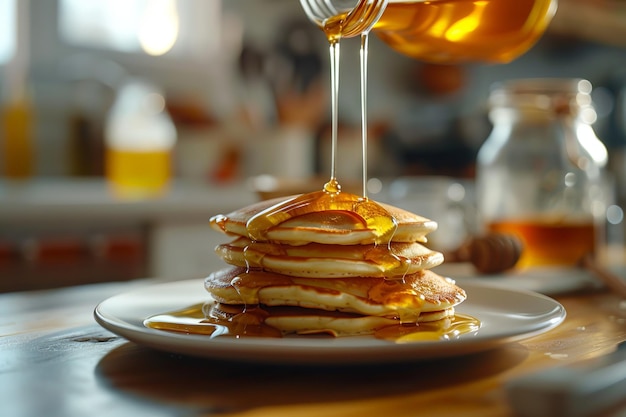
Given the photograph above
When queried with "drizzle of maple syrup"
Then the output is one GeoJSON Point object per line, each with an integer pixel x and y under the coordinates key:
{"type": "Point", "coordinates": [248, 319]}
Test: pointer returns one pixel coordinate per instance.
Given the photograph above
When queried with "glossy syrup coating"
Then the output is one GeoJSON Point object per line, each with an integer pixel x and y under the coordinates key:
{"type": "Point", "coordinates": [373, 215]}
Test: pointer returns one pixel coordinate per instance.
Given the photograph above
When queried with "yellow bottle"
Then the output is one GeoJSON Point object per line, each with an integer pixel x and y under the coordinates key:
{"type": "Point", "coordinates": [139, 136]}
{"type": "Point", "coordinates": [16, 139]}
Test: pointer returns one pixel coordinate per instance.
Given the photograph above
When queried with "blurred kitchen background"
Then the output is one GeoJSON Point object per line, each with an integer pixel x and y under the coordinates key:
{"type": "Point", "coordinates": [245, 84]}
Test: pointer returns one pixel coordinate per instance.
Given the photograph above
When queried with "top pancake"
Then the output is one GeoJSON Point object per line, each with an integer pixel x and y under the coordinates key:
{"type": "Point", "coordinates": [338, 227]}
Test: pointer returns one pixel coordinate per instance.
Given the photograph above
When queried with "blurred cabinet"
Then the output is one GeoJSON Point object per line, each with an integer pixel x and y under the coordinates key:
{"type": "Point", "coordinates": [36, 258]}
{"type": "Point", "coordinates": [70, 232]}
{"type": "Point", "coordinates": [602, 21]}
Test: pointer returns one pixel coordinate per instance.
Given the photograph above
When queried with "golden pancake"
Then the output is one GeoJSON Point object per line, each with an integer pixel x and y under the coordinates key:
{"type": "Point", "coordinates": [331, 261]}
{"type": "Point", "coordinates": [328, 262]}
{"type": "Point", "coordinates": [406, 299]}
{"type": "Point", "coordinates": [307, 321]}
{"type": "Point", "coordinates": [336, 226]}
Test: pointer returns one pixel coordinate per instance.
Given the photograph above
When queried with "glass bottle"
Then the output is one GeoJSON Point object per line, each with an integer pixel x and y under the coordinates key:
{"type": "Point", "coordinates": [140, 137]}
{"type": "Point", "coordinates": [540, 173]}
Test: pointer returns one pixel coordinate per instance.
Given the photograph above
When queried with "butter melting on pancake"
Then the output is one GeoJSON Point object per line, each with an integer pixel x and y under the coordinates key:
{"type": "Point", "coordinates": [340, 227]}
{"type": "Point", "coordinates": [331, 261]}
{"type": "Point", "coordinates": [410, 300]}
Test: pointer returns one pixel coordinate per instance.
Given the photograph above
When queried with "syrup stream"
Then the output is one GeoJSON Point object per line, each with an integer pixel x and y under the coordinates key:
{"type": "Point", "coordinates": [363, 68]}
{"type": "Point", "coordinates": [334, 49]}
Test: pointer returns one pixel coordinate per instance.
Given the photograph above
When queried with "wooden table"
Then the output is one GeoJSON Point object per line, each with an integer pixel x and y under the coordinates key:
{"type": "Point", "coordinates": [55, 361]}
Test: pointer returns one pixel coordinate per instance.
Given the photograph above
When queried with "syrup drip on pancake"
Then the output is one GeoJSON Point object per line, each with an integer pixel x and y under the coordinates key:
{"type": "Point", "coordinates": [373, 215]}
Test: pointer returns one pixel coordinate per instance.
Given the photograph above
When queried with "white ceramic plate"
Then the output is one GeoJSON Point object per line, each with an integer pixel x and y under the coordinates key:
{"type": "Point", "coordinates": [506, 315]}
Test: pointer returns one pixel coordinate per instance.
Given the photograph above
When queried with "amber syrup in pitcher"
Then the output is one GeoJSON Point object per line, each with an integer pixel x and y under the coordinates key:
{"type": "Point", "coordinates": [464, 30]}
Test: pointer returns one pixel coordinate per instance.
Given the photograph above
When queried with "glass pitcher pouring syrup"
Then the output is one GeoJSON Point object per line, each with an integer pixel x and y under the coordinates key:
{"type": "Point", "coordinates": [442, 31]}
{"type": "Point", "coordinates": [450, 31]}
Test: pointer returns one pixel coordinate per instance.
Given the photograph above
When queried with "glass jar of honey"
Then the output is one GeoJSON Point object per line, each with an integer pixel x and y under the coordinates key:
{"type": "Point", "coordinates": [540, 173]}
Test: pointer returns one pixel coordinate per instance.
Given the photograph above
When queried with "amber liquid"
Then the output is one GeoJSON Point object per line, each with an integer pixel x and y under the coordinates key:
{"type": "Point", "coordinates": [450, 31]}
{"type": "Point", "coordinates": [138, 174]}
{"type": "Point", "coordinates": [16, 140]}
{"type": "Point", "coordinates": [373, 215]}
{"type": "Point", "coordinates": [550, 243]}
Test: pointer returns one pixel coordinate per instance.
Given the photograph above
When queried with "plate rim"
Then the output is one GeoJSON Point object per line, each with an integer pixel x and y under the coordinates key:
{"type": "Point", "coordinates": [306, 350]}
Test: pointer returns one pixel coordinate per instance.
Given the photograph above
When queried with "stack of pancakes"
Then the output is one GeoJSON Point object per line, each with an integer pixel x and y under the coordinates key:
{"type": "Point", "coordinates": [327, 271]}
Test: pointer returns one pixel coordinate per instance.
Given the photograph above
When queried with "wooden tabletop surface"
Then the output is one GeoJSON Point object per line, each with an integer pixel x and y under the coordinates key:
{"type": "Point", "coordinates": [56, 361]}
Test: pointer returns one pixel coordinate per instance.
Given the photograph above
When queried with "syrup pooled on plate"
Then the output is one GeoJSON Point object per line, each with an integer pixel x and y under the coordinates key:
{"type": "Point", "coordinates": [199, 319]}
{"type": "Point", "coordinates": [237, 322]}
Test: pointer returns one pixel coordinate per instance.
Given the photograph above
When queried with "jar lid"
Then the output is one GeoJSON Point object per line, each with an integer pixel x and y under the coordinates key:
{"type": "Point", "coordinates": [560, 95]}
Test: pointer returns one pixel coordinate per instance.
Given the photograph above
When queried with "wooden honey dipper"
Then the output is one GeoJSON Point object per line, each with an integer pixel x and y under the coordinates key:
{"type": "Point", "coordinates": [490, 253]}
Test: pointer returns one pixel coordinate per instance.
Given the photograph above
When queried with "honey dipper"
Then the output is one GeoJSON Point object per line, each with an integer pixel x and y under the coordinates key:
{"type": "Point", "coordinates": [490, 253]}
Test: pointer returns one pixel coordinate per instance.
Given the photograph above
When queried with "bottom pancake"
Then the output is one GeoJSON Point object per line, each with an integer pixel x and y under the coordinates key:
{"type": "Point", "coordinates": [261, 320]}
